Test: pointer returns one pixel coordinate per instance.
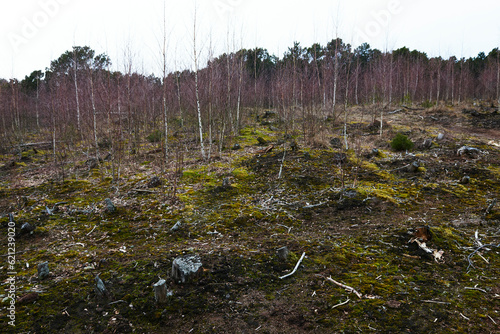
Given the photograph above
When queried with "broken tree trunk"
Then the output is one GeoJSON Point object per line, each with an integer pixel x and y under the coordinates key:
{"type": "Point", "coordinates": [161, 293]}
{"type": "Point", "coordinates": [186, 267]}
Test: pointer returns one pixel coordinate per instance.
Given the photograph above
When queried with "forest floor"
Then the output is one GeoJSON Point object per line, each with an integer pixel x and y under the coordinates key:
{"type": "Point", "coordinates": [354, 213]}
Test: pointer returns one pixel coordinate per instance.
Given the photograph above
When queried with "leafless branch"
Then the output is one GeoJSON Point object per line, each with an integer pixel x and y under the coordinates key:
{"type": "Point", "coordinates": [296, 266]}
{"type": "Point", "coordinates": [345, 287]}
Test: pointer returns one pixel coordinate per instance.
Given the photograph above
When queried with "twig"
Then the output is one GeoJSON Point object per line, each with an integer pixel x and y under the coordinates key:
{"type": "Point", "coordinates": [435, 302]}
{"type": "Point", "coordinates": [92, 230]}
{"type": "Point", "coordinates": [463, 316]}
{"type": "Point", "coordinates": [314, 205]}
{"type": "Point", "coordinates": [296, 266]}
{"type": "Point", "coordinates": [289, 228]}
{"type": "Point", "coordinates": [340, 304]}
{"type": "Point", "coordinates": [395, 111]}
{"type": "Point", "coordinates": [492, 319]}
{"type": "Point", "coordinates": [144, 191]}
{"type": "Point", "coordinates": [116, 302]}
{"type": "Point", "coordinates": [345, 287]}
{"type": "Point", "coordinates": [282, 162]}
{"type": "Point", "coordinates": [474, 288]}
{"type": "Point", "coordinates": [477, 250]}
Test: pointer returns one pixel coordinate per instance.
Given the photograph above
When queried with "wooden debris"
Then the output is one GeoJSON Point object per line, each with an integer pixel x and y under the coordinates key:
{"type": "Point", "coordinates": [423, 233]}
{"type": "Point", "coordinates": [265, 150]}
{"type": "Point", "coordinates": [438, 255]}
{"type": "Point", "coordinates": [161, 293]}
{"type": "Point", "coordinates": [186, 267]}
{"type": "Point", "coordinates": [340, 304]}
{"type": "Point", "coordinates": [296, 266]}
{"type": "Point", "coordinates": [348, 288]}
{"type": "Point", "coordinates": [99, 288]}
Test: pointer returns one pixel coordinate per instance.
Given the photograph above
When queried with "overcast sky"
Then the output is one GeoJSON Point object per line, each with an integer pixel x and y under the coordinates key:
{"type": "Point", "coordinates": [34, 32]}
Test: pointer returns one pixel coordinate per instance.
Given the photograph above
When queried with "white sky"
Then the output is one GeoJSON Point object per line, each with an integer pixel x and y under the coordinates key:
{"type": "Point", "coordinates": [34, 32]}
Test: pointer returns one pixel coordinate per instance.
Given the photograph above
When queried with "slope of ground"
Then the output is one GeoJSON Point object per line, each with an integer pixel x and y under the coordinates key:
{"type": "Point", "coordinates": [352, 212]}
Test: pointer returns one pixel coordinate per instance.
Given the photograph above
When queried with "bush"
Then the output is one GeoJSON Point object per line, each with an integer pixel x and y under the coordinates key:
{"type": "Point", "coordinates": [155, 136]}
{"type": "Point", "coordinates": [427, 104]}
{"type": "Point", "coordinates": [401, 143]}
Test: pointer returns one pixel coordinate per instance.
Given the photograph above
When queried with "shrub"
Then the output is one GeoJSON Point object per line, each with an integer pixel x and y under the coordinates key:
{"type": "Point", "coordinates": [427, 104]}
{"type": "Point", "coordinates": [401, 143]}
{"type": "Point", "coordinates": [155, 136]}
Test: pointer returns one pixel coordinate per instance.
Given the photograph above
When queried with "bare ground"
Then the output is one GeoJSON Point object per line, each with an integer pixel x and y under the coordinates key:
{"type": "Point", "coordinates": [352, 212]}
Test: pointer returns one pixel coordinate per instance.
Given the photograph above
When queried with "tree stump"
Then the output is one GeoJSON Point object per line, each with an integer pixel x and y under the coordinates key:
{"type": "Point", "coordinates": [186, 267]}
{"type": "Point", "coordinates": [283, 253]}
{"type": "Point", "coordinates": [154, 182]}
{"type": "Point", "coordinates": [176, 226]}
{"type": "Point", "coordinates": [413, 167]}
{"type": "Point", "coordinates": [110, 207]}
{"type": "Point", "coordinates": [427, 143]}
{"type": "Point", "coordinates": [100, 289]}
{"type": "Point", "coordinates": [161, 292]}
{"type": "Point", "coordinates": [43, 270]}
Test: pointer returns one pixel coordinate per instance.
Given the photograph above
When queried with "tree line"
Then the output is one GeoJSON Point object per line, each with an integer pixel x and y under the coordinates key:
{"type": "Point", "coordinates": [78, 101]}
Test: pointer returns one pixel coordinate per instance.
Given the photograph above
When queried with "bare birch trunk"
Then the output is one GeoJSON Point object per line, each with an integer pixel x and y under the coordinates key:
{"type": "Point", "coordinates": [198, 107]}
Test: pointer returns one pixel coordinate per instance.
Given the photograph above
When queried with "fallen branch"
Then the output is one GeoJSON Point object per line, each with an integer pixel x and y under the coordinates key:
{"type": "Point", "coordinates": [340, 304]}
{"type": "Point", "coordinates": [345, 287]}
{"type": "Point", "coordinates": [477, 250]}
{"type": "Point", "coordinates": [282, 162]}
{"type": "Point", "coordinates": [314, 205]}
{"type": "Point", "coordinates": [395, 111]}
{"type": "Point", "coordinates": [438, 255]}
{"type": "Point", "coordinates": [474, 288]}
{"type": "Point", "coordinates": [296, 266]}
{"type": "Point", "coordinates": [435, 302]}
{"type": "Point", "coordinates": [92, 230]}
{"type": "Point", "coordinates": [144, 191]}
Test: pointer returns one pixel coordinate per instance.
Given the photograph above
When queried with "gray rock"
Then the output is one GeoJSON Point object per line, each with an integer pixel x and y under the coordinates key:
{"type": "Point", "coordinates": [186, 267]}
{"type": "Point", "coordinates": [236, 147]}
{"type": "Point", "coordinates": [43, 270]}
{"type": "Point", "coordinates": [440, 136]}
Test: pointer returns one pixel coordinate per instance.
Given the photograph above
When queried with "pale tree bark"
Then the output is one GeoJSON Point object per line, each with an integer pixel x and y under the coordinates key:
{"type": "Point", "coordinates": [229, 71]}
{"type": "Point", "coordinates": [238, 104]}
{"type": "Point", "coordinates": [498, 78]}
{"type": "Point", "coordinates": [94, 113]}
{"type": "Point", "coordinates": [78, 117]}
{"type": "Point", "coordinates": [197, 94]}
{"type": "Point", "coordinates": [164, 90]}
